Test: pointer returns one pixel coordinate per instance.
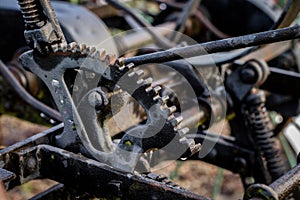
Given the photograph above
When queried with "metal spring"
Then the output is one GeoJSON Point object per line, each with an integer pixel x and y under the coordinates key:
{"type": "Point", "coordinates": [32, 14]}
{"type": "Point", "coordinates": [260, 123]}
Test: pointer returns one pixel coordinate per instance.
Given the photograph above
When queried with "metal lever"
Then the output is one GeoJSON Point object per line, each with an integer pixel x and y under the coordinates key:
{"type": "Point", "coordinates": [41, 25]}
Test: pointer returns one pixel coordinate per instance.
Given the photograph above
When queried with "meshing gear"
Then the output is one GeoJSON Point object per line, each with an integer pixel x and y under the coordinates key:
{"type": "Point", "coordinates": [99, 73]}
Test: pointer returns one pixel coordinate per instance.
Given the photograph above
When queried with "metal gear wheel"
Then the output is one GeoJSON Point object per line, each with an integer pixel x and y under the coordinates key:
{"type": "Point", "coordinates": [160, 131]}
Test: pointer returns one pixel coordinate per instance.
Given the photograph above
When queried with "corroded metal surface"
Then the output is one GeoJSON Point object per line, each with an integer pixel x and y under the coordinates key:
{"type": "Point", "coordinates": [255, 39]}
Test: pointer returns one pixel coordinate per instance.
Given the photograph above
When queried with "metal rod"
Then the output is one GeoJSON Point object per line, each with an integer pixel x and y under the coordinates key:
{"type": "Point", "coordinates": [287, 183]}
{"type": "Point", "coordinates": [217, 46]}
{"type": "Point", "coordinates": [181, 21]}
{"type": "Point", "coordinates": [25, 95]}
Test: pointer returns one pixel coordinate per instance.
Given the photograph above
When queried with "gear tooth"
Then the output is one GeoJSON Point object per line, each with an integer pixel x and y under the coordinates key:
{"type": "Point", "coordinates": [121, 68]}
{"type": "Point", "coordinates": [157, 89]}
{"type": "Point", "coordinates": [93, 50]}
{"type": "Point", "coordinates": [82, 47]}
{"type": "Point", "coordinates": [87, 51]}
{"type": "Point", "coordinates": [171, 109]}
{"type": "Point", "coordinates": [140, 82]}
{"type": "Point", "coordinates": [130, 65]}
{"type": "Point", "coordinates": [148, 82]}
{"type": "Point", "coordinates": [140, 72]}
{"type": "Point", "coordinates": [96, 54]}
{"type": "Point", "coordinates": [171, 116]}
{"type": "Point", "coordinates": [64, 47]}
{"type": "Point", "coordinates": [72, 47]}
{"type": "Point", "coordinates": [183, 140]}
{"type": "Point", "coordinates": [112, 59]}
{"type": "Point", "coordinates": [107, 59]}
{"type": "Point", "coordinates": [176, 121]}
{"type": "Point", "coordinates": [149, 89]}
{"type": "Point", "coordinates": [102, 55]}
{"type": "Point", "coordinates": [193, 147]}
{"type": "Point", "coordinates": [182, 132]}
{"type": "Point", "coordinates": [54, 48]}
{"type": "Point", "coordinates": [61, 47]}
{"type": "Point", "coordinates": [131, 74]}
{"type": "Point", "coordinates": [156, 98]}
{"type": "Point", "coordinates": [78, 49]}
{"type": "Point", "coordinates": [165, 98]}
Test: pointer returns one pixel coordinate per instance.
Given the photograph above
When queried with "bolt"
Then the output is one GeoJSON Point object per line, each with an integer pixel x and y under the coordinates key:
{"type": "Point", "coordinates": [31, 164]}
{"type": "Point", "coordinates": [95, 100]}
{"type": "Point", "coordinates": [248, 75]}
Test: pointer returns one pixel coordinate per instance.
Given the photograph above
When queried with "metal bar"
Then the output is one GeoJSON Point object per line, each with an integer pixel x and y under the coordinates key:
{"type": "Point", "coordinates": [6, 175]}
{"type": "Point", "coordinates": [44, 137]}
{"type": "Point", "coordinates": [225, 153]}
{"type": "Point", "coordinates": [287, 183]}
{"type": "Point", "coordinates": [286, 79]}
{"type": "Point", "coordinates": [89, 176]}
{"type": "Point", "coordinates": [217, 46]}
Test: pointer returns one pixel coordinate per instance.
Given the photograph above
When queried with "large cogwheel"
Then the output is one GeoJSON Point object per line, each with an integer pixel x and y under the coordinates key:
{"type": "Point", "coordinates": [160, 132]}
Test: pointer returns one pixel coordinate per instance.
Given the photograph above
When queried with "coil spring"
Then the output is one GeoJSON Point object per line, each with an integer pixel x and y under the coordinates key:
{"type": "Point", "coordinates": [32, 14]}
{"type": "Point", "coordinates": [261, 125]}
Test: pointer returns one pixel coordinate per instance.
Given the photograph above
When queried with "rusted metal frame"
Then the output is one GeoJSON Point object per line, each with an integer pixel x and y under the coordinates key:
{"type": "Point", "coordinates": [278, 190]}
{"type": "Point", "coordinates": [81, 175]}
{"type": "Point", "coordinates": [89, 176]}
{"type": "Point", "coordinates": [228, 44]}
{"type": "Point", "coordinates": [12, 158]}
{"type": "Point", "coordinates": [45, 137]}
{"type": "Point", "coordinates": [286, 184]}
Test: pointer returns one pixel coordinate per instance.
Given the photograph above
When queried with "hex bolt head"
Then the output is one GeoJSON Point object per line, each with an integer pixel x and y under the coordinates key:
{"type": "Point", "coordinates": [248, 75]}
{"type": "Point", "coordinates": [31, 164]}
{"type": "Point", "coordinates": [95, 100]}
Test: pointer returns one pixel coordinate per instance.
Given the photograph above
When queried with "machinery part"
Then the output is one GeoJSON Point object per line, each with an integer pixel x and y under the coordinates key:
{"type": "Point", "coordinates": [260, 191]}
{"type": "Point", "coordinates": [81, 175]}
{"type": "Point", "coordinates": [161, 127]}
{"type": "Point", "coordinates": [255, 39]}
{"type": "Point", "coordinates": [261, 128]}
{"type": "Point", "coordinates": [41, 25]}
{"type": "Point", "coordinates": [278, 190]}
{"type": "Point", "coordinates": [70, 57]}
{"type": "Point", "coordinates": [242, 79]}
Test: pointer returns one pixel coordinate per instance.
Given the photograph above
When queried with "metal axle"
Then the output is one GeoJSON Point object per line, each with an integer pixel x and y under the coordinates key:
{"type": "Point", "coordinates": [229, 44]}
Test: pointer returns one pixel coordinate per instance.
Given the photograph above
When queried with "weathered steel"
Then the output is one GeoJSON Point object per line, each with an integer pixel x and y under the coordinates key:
{"type": "Point", "coordinates": [89, 176]}
{"type": "Point", "coordinates": [286, 184]}
{"type": "Point", "coordinates": [229, 44]}
{"type": "Point", "coordinates": [6, 175]}
{"type": "Point", "coordinates": [278, 190]}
